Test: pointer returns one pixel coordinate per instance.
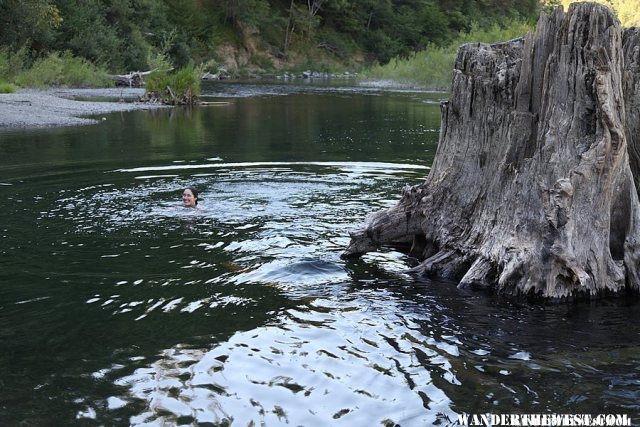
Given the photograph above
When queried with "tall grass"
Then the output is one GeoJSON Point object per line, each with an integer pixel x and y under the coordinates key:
{"type": "Point", "coordinates": [62, 69]}
{"type": "Point", "coordinates": [7, 87]}
{"type": "Point", "coordinates": [432, 68]}
{"type": "Point", "coordinates": [179, 87]}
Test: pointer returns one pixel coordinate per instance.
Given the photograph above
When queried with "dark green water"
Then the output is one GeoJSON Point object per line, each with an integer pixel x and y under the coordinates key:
{"type": "Point", "coordinates": [119, 307]}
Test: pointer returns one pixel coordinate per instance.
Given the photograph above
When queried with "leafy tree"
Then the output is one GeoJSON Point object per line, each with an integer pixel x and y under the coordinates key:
{"type": "Point", "coordinates": [33, 21]}
{"type": "Point", "coordinates": [433, 21]}
{"type": "Point", "coordinates": [86, 33]}
{"type": "Point", "coordinates": [627, 10]}
{"type": "Point", "coordinates": [247, 12]}
{"type": "Point", "coordinates": [193, 29]}
{"type": "Point", "coordinates": [119, 33]}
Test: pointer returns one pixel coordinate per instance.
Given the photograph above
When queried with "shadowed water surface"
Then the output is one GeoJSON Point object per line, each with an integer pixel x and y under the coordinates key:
{"type": "Point", "coordinates": [120, 307]}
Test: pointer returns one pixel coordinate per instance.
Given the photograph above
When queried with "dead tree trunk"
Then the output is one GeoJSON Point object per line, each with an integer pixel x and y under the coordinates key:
{"type": "Point", "coordinates": [289, 30]}
{"type": "Point", "coordinates": [531, 191]}
{"type": "Point", "coordinates": [631, 47]}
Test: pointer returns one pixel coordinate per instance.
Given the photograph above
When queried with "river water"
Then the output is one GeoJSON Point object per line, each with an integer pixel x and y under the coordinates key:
{"type": "Point", "coordinates": [120, 307]}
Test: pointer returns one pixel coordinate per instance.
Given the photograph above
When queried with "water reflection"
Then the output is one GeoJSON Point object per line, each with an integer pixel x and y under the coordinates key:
{"type": "Point", "coordinates": [118, 306]}
{"type": "Point", "coordinates": [393, 354]}
{"type": "Point", "coordinates": [318, 364]}
{"type": "Point", "coordinates": [251, 89]}
{"type": "Point", "coordinates": [259, 224]}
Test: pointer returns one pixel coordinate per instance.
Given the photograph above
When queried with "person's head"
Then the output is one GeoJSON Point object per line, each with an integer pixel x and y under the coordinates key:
{"type": "Point", "coordinates": [190, 197]}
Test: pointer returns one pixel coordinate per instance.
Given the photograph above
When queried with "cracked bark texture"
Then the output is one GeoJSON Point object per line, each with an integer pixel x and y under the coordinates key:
{"type": "Point", "coordinates": [532, 191]}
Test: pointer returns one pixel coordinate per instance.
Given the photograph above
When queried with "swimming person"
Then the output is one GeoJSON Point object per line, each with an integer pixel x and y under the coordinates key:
{"type": "Point", "coordinates": [190, 197]}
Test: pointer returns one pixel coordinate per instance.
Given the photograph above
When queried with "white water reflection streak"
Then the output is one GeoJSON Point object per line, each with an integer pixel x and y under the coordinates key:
{"type": "Point", "coordinates": [328, 363]}
{"type": "Point", "coordinates": [363, 167]}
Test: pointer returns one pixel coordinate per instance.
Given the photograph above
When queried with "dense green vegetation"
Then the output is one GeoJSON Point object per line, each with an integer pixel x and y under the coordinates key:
{"type": "Point", "coordinates": [121, 35]}
{"type": "Point", "coordinates": [627, 10]}
{"type": "Point", "coordinates": [179, 87]}
{"type": "Point", "coordinates": [7, 87]}
{"type": "Point", "coordinates": [53, 69]}
{"type": "Point", "coordinates": [433, 66]}
{"type": "Point", "coordinates": [44, 42]}
{"type": "Point", "coordinates": [58, 69]}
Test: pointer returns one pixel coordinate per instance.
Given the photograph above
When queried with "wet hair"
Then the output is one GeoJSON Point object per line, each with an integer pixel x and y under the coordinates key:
{"type": "Point", "coordinates": [194, 192]}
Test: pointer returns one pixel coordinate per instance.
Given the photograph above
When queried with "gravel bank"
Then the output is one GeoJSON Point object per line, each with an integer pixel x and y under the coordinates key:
{"type": "Point", "coordinates": [31, 108]}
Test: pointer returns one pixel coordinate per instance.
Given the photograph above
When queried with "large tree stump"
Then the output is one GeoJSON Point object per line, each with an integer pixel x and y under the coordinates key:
{"type": "Point", "coordinates": [531, 191]}
{"type": "Point", "coordinates": [631, 77]}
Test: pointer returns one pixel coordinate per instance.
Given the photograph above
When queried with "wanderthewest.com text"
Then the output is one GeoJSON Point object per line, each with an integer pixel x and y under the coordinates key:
{"type": "Point", "coordinates": [538, 420]}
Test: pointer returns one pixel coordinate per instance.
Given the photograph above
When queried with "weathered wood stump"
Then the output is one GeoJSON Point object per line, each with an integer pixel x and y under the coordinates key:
{"type": "Point", "coordinates": [631, 77]}
{"type": "Point", "coordinates": [531, 191]}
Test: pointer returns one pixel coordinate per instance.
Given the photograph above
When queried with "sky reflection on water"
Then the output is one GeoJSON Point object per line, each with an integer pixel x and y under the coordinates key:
{"type": "Point", "coordinates": [118, 306]}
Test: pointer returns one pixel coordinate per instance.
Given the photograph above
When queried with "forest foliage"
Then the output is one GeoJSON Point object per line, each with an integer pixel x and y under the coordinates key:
{"type": "Point", "coordinates": [627, 11]}
{"type": "Point", "coordinates": [432, 67]}
{"type": "Point", "coordinates": [121, 35]}
{"type": "Point", "coordinates": [265, 35]}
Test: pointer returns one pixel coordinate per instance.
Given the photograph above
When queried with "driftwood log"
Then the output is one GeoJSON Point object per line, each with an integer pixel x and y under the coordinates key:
{"type": "Point", "coordinates": [532, 190]}
{"type": "Point", "coordinates": [133, 79]}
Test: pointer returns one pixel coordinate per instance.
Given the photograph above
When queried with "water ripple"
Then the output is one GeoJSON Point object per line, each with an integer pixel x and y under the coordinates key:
{"type": "Point", "coordinates": [328, 363]}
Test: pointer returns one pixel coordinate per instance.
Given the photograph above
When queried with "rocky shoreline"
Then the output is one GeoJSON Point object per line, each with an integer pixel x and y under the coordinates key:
{"type": "Point", "coordinates": [31, 108]}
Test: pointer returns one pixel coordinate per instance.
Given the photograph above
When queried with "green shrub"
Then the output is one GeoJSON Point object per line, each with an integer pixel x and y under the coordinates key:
{"type": "Point", "coordinates": [433, 67]}
{"type": "Point", "coordinates": [13, 63]}
{"type": "Point", "coordinates": [159, 61]}
{"type": "Point", "coordinates": [63, 69]}
{"type": "Point", "coordinates": [7, 87]}
{"type": "Point", "coordinates": [179, 87]}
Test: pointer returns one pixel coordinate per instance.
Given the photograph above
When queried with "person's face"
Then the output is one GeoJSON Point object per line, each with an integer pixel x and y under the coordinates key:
{"type": "Point", "coordinates": [188, 200]}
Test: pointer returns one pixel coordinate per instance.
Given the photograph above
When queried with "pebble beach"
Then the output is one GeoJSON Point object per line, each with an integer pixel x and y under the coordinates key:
{"type": "Point", "coordinates": [32, 108]}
